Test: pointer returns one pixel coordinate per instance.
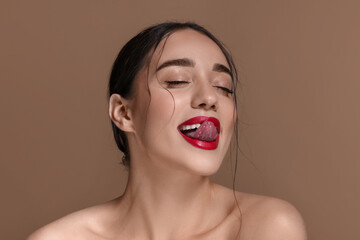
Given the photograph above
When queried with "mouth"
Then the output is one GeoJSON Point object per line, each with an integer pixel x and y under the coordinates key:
{"type": "Point", "coordinates": [202, 132]}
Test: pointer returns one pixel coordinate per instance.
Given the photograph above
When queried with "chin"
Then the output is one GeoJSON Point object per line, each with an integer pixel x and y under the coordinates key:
{"type": "Point", "coordinates": [206, 171]}
{"type": "Point", "coordinates": [203, 165]}
{"type": "Point", "coordinates": [187, 158]}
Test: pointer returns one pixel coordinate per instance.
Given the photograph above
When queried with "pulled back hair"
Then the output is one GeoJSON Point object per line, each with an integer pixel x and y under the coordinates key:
{"type": "Point", "coordinates": [133, 57]}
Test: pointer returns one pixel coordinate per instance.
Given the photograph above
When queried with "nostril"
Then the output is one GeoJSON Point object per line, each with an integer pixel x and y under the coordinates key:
{"type": "Point", "coordinates": [213, 107]}
{"type": "Point", "coordinates": [207, 106]}
{"type": "Point", "coordinates": [202, 105]}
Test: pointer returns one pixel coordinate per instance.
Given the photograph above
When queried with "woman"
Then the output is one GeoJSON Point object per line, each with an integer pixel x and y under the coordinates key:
{"type": "Point", "coordinates": [173, 111]}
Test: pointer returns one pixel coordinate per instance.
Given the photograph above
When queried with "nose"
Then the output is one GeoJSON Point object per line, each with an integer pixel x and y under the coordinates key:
{"type": "Point", "coordinates": [204, 97]}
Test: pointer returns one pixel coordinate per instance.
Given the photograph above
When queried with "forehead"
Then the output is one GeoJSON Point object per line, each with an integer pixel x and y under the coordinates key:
{"type": "Point", "coordinates": [190, 44]}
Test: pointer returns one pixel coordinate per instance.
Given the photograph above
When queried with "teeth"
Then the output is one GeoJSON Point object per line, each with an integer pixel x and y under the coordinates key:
{"type": "Point", "coordinates": [190, 127]}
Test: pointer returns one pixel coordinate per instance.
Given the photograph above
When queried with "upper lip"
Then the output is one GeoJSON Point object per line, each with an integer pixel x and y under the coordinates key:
{"type": "Point", "coordinates": [201, 119]}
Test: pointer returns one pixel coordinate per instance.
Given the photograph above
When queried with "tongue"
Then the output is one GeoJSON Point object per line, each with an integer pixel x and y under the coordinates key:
{"type": "Point", "coordinates": [206, 132]}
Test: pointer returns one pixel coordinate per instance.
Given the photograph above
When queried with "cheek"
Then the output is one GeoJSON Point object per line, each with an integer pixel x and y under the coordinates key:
{"type": "Point", "coordinates": [166, 107]}
{"type": "Point", "coordinates": [158, 118]}
{"type": "Point", "coordinates": [230, 112]}
{"type": "Point", "coordinates": [161, 107]}
{"type": "Point", "coordinates": [229, 118]}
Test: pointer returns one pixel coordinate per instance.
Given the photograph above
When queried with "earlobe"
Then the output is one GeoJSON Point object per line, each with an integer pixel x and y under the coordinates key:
{"type": "Point", "coordinates": [120, 113]}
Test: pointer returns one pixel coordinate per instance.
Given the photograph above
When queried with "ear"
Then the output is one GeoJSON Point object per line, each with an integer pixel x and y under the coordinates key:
{"type": "Point", "coordinates": [120, 113]}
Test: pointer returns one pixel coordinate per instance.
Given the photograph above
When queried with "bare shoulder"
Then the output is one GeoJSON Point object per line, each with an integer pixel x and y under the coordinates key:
{"type": "Point", "coordinates": [79, 225]}
{"type": "Point", "coordinates": [270, 218]}
{"type": "Point", "coordinates": [52, 231]}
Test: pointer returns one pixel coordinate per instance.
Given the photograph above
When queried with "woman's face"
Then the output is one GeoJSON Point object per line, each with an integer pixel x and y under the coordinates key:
{"type": "Point", "coordinates": [182, 106]}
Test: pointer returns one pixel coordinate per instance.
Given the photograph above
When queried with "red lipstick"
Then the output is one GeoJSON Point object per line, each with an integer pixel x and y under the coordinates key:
{"type": "Point", "coordinates": [195, 123]}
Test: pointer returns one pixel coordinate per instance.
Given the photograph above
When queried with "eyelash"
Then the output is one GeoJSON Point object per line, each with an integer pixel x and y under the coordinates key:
{"type": "Point", "coordinates": [226, 90]}
{"type": "Point", "coordinates": [175, 83]}
{"type": "Point", "coordinates": [169, 83]}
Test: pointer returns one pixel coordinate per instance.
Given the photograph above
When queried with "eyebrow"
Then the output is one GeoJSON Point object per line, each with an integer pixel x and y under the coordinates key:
{"type": "Point", "coordinates": [182, 62]}
{"type": "Point", "coordinates": [186, 62]}
{"type": "Point", "coordinates": [221, 68]}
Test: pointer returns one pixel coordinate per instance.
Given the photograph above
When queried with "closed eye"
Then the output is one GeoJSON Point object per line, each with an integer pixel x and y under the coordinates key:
{"type": "Point", "coordinates": [175, 83]}
{"type": "Point", "coordinates": [227, 91]}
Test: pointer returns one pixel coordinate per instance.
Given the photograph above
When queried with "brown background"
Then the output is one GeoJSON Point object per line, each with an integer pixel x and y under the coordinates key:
{"type": "Point", "coordinates": [299, 68]}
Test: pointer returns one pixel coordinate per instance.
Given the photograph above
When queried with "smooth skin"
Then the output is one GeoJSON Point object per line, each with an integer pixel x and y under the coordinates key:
{"type": "Point", "coordinates": [169, 195]}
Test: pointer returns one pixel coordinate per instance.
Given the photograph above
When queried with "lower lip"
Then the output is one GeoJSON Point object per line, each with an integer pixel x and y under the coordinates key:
{"type": "Point", "coordinates": [201, 144]}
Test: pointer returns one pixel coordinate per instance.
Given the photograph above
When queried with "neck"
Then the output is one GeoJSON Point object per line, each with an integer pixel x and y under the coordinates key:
{"type": "Point", "coordinates": [168, 203]}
